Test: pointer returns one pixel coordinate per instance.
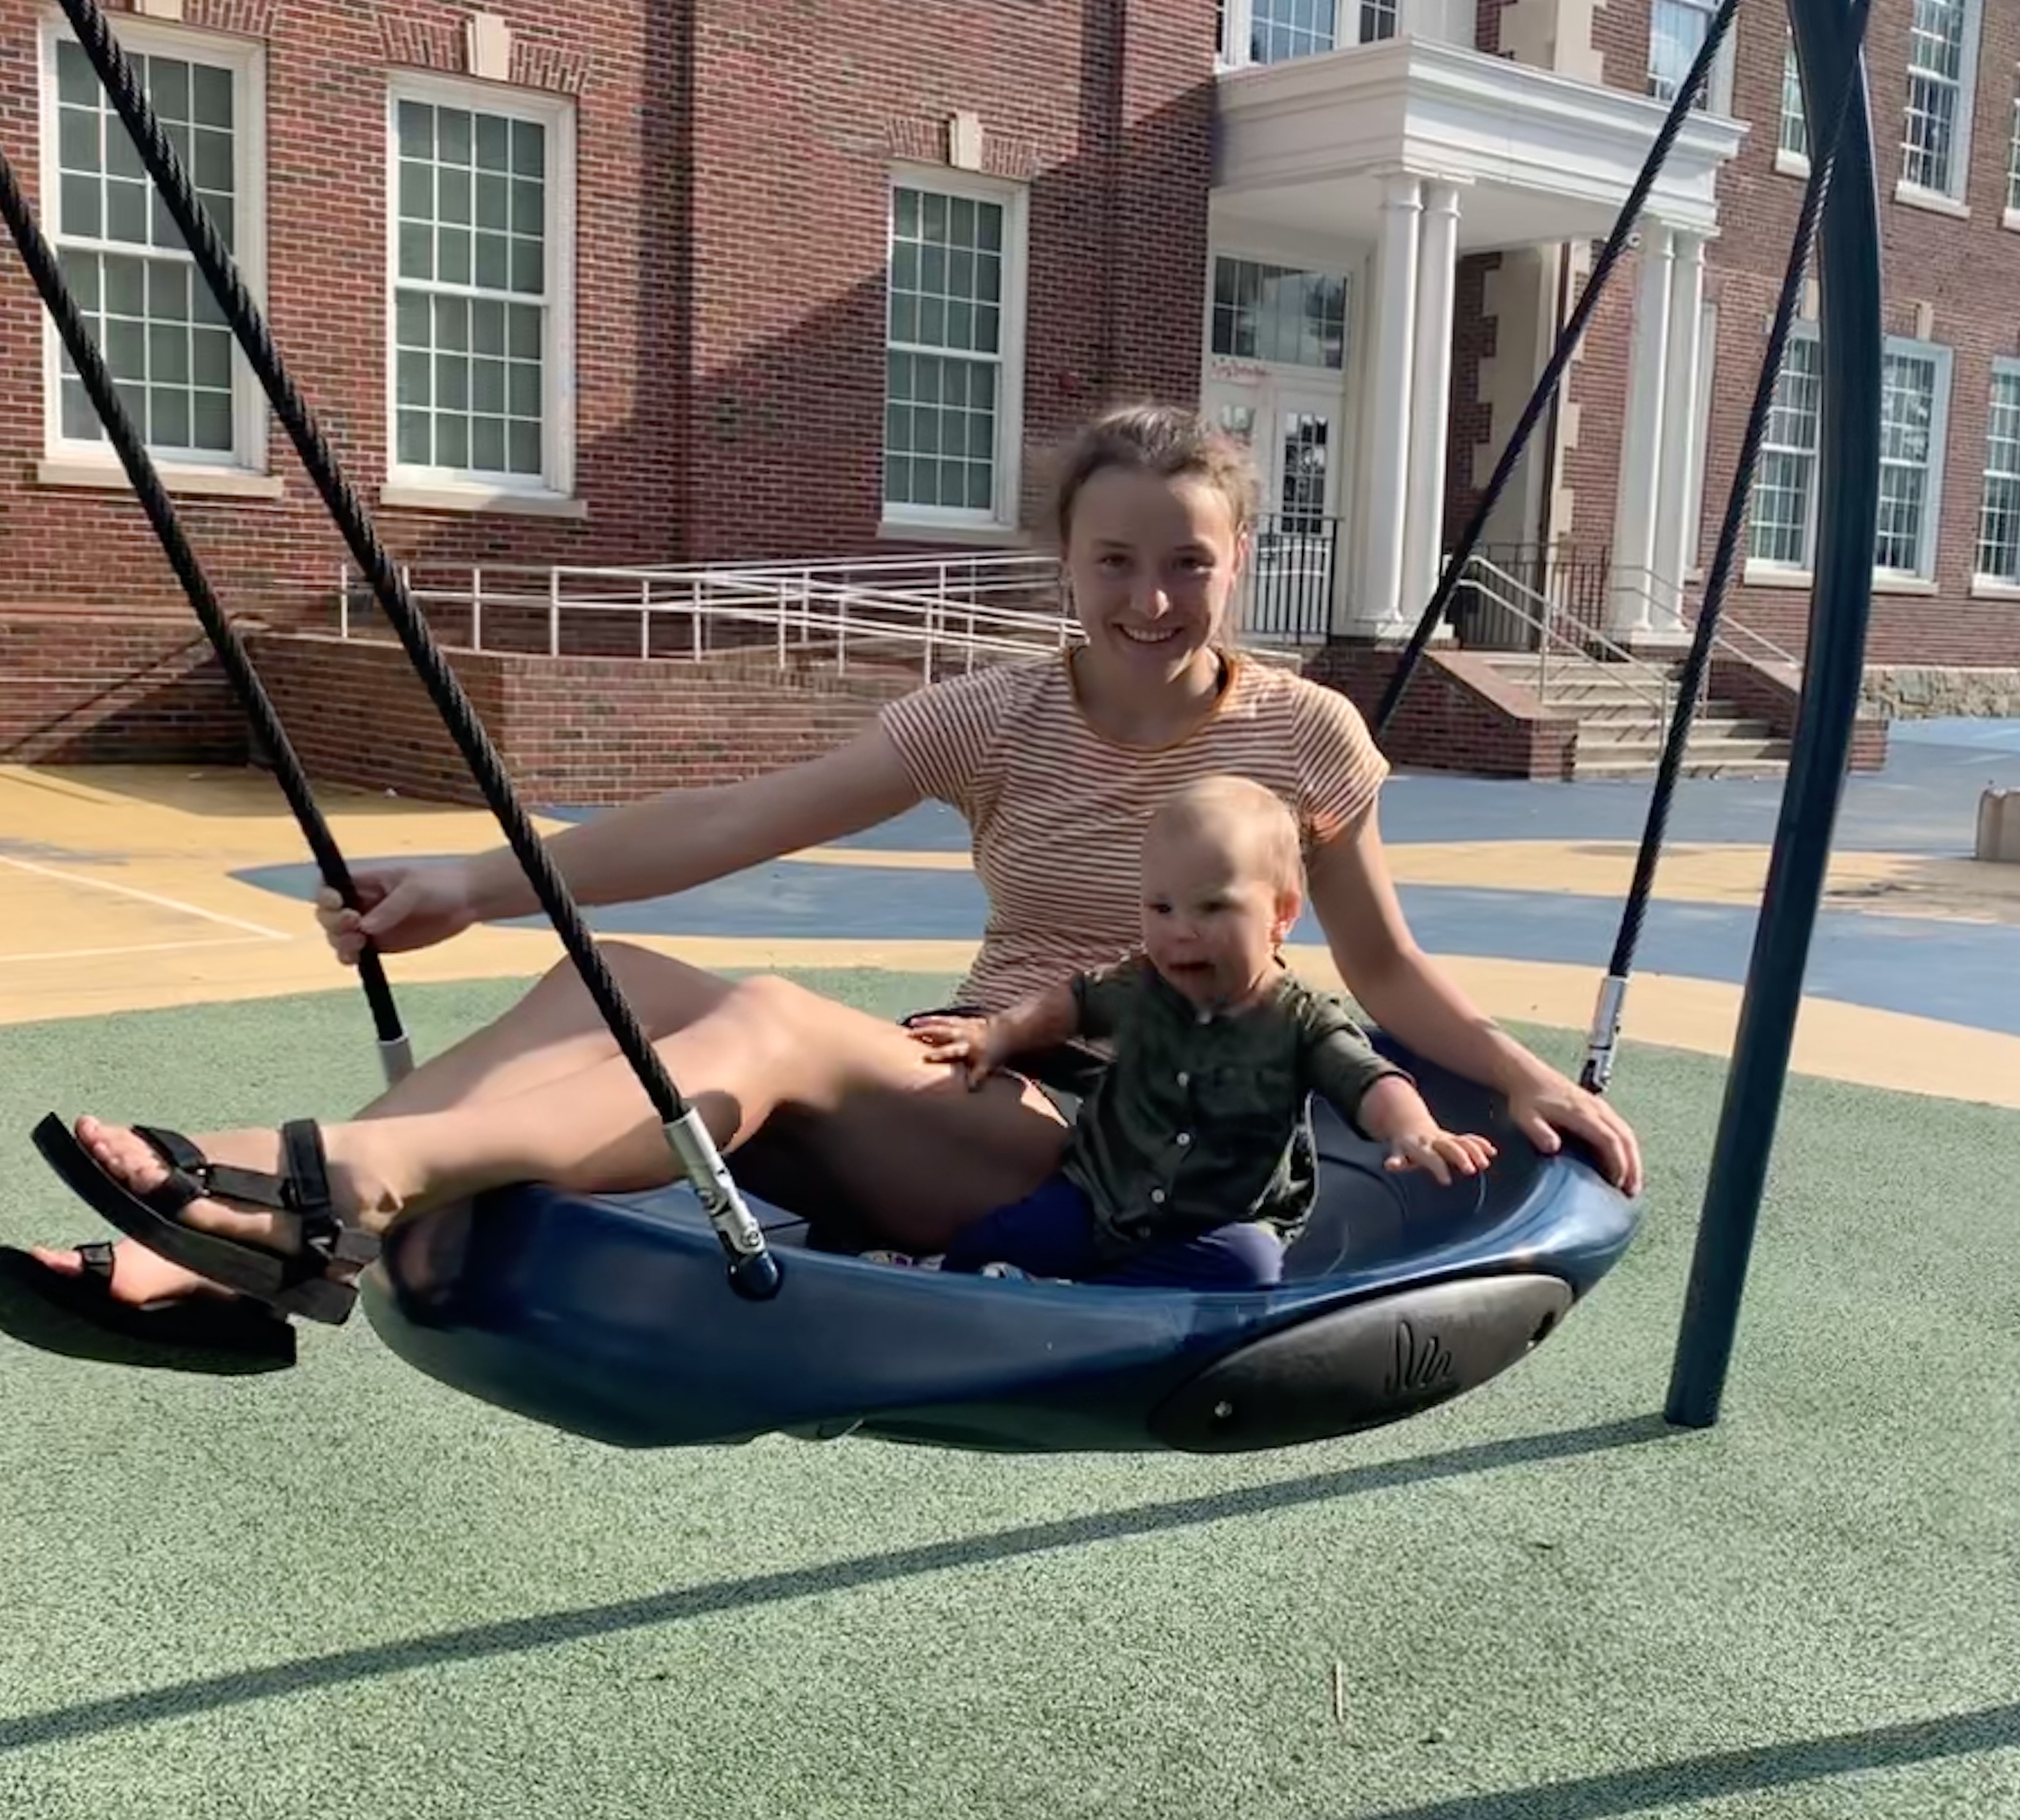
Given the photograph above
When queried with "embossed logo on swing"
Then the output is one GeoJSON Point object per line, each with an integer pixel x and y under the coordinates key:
{"type": "Point", "coordinates": [1422, 1364]}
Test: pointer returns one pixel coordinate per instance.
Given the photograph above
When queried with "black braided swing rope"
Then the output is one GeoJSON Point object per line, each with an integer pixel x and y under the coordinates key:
{"type": "Point", "coordinates": [1568, 338]}
{"type": "Point", "coordinates": [1603, 1039]}
{"type": "Point", "coordinates": [395, 1051]}
{"type": "Point", "coordinates": [754, 1268]}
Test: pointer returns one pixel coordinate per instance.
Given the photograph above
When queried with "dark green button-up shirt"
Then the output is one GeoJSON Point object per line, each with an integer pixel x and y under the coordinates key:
{"type": "Point", "coordinates": [1202, 1118]}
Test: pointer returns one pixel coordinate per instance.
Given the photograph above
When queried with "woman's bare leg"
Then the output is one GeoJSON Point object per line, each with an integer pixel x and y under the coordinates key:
{"type": "Point", "coordinates": [869, 1118]}
{"type": "Point", "coordinates": [553, 1031]}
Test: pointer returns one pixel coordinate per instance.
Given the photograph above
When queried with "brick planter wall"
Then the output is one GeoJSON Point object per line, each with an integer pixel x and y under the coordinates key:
{"type": "Point", "coordinates": [1459, 715]}
{"type": "Point", "coordinates": [573, 731]}
{"type": "Point", "coordinates": [76, 689]}
{"type": "Point", "coordinates": [1771, 693]}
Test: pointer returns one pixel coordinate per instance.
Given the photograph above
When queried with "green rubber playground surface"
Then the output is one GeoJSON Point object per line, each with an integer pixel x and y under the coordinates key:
{"type": "Point", "coordinates": [344, 1591]}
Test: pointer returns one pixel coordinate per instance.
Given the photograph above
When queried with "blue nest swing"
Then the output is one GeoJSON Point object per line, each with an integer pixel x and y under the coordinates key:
{"type": "Point", "coordinates": [613, 1317]}
{"type": "Point", "coordinates": [693, 1318]}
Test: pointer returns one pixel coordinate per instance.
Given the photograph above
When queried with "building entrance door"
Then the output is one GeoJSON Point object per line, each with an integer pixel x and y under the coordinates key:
{"type": "Point", "coordinates": [1296, 429]}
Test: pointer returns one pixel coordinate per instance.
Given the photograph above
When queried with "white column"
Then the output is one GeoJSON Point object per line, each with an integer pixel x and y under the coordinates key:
{"type": "Point", "coordinates": [1430, 394]}
{"type": "Point", "coordinates": [1675, 534]}
{"type": "Point", "coordinates": [1390, 357]}
{"type": "Point", "coordinates": [1641, 437]}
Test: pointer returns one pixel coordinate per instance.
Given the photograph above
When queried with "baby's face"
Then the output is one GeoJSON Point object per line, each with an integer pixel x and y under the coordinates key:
{"type": "Point", "coordinates": [1212, 924]}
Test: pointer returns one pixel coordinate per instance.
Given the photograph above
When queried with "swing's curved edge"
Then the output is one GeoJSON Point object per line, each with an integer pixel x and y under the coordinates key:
{"type": "Point", "coordinates": [612, 1318]}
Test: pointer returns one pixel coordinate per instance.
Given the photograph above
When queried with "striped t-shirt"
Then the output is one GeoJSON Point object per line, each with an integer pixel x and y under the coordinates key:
{"type": "Point", "coordinates": [1058, 813]}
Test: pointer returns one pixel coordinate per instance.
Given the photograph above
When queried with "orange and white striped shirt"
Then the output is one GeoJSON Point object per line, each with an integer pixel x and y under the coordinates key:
{"type": "Point", "coordinates": [1058, 813]}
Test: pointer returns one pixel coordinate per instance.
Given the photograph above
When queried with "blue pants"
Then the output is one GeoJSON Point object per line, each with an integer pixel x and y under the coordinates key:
{"type": "Point", "coordinates": [1050, 1232]}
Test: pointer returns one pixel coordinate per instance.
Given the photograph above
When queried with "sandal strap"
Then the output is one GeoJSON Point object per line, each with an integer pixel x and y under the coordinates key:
{"type": "Point", "coordinates": [328, 1237]}
{"type": "Point", "coordinates": [191, 1174]}
{"type": "Point", "coordinates": [96, 1257]}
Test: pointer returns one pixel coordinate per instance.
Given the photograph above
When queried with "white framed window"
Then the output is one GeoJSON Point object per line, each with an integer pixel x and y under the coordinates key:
{"type": "Point", "coordinates": [174, 363]}
{"type": "Point", "coordinates": [1914, 419]}
{"type": "Point", "coordinates": [1275, 31]}
{"type": "Point", "coordinates": [953, 350]}
{"type": "Point", "coordinates": [1998, 558]}
{"type": "Point", "coordinates": [1782, 526]}
{"type": "Point", "coordinates": [1677, 30]}
{"type": "Point", "coordinates": [1793, 147]}
{"type": "Point", "coordinates": [1283, 315]}
{"type": "Point", "coordinates": [1935, 134]}
{"type": "Point", "coordinates": [480, 292]}
{"type": "Point", "coordinates": [2012, 164]}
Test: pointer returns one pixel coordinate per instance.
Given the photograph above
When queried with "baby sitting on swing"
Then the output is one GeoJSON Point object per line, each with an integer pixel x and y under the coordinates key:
{"type": "Point", "coordinates": [1190, 1160]}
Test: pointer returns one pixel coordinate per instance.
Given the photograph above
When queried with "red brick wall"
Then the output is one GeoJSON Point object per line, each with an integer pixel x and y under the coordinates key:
{"type": "Point", "coordinates": [77, 689]}
{"type": "Point", "coordinates": [1774, 695]}
{"type": "Point", "coordinates": [1967, 270]}
{"type": "Point", "coordinates": [730, 250]}
{"type": "Point", "coordinates": [1457, 714]}
{"type": "Point", "coordinates": [571, 731]}
{"type": "Point", "coordinates": [1471, 424]}
{"type": "Point", "coordinates": [1107, 111]}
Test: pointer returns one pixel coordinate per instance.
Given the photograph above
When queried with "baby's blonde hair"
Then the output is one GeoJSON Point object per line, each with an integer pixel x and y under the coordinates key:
{"type": "Point", "coordinates": [1240, 818]}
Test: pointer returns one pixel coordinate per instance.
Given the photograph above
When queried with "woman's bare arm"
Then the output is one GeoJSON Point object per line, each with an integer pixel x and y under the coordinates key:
{"type": "Point", "coordinates": [1406, 992]}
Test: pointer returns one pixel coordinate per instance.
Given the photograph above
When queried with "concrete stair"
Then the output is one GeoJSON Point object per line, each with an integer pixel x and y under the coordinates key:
{"type": "Point", "coordinates": [1621, 728]}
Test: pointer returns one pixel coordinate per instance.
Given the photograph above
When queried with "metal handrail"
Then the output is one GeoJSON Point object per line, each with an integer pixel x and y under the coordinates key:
{"type": "Point", "coordinates": [1644, 678]}
{"type": "Point", "coordinates": [1730, 630]}
{"type": "Point", "coordinates": [800, 605]}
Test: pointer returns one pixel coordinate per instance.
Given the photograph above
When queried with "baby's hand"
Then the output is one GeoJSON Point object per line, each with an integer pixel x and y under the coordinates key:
{"type": "Point", "coordinates": [966, 1040]}
{"type": "Point", "coordinates": [1440, 1152]}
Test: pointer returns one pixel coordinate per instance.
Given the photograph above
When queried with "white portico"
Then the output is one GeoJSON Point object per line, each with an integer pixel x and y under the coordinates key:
{"type": "Point", "coordinates": [1349, 183]}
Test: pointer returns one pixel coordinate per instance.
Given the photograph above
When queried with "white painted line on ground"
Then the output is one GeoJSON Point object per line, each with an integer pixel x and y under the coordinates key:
{"type": "Point", "coordinates": [138, 948]}
{"type": "Point", "coordinates": [169, 903]}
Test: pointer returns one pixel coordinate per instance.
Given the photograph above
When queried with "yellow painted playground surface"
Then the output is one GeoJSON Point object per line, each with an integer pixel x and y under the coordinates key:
{"type": "Point", "coordinates": [117, 893]}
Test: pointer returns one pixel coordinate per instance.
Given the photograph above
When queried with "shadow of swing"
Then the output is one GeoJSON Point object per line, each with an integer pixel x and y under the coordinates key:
{"type": "Point", "coordinates": [1735, 1772]}
{"type": "Point", "coordinates": [510, 1636]}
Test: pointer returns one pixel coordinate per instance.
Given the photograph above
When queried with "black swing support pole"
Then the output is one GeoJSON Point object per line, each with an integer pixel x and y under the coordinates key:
{"type": "Point", "coordinates": [396, 1055]}
{"type": "Point", "coordinates": [1568, 338]}
{"type": "Point", "coordinates": [1603, 1039]}
{"type": "Point", "coordinates": [1851, 333]}
{"type": "Point", "coordinates": [754, 1269]}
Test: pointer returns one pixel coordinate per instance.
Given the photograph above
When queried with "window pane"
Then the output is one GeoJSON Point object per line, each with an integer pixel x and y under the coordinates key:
{"type": "Point", "coordinates": [1273, 313]}
{"type": "Point", "coordinates": [1999, 530]}
{"type": "Point", "coordinates": [210, 96]}
{"type": "Point", "coordinates": [76, 80]}
{"type": "Point", "coordinates": [1934, 98]}
{"type": "Point", "coordinates": [211, 422]}
{"type": "Point", "coordinates": [77, 140]}
{"type": "Point", "coordinates": [175, 377]}
{"type": "Point", "coordinates": [1908, 400]}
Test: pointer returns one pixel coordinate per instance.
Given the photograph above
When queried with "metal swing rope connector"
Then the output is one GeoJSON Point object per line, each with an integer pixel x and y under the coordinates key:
{"type": "Point", "coordinates": [754, 1269]}
{"type": "Point", "coordinates": [1603, 1040]}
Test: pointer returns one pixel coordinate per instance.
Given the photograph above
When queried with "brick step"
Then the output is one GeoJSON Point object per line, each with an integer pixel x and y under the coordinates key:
{"type": "Point", "coordinates": [1714, 757]}
{"type": "Point", "coordinates": [1725, 729]}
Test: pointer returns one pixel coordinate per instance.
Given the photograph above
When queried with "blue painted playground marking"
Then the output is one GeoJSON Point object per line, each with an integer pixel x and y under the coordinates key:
{"type": "Point", "coordinates": [1924, 801]}
{"type": "Point", "coordinates": [1961, 973]}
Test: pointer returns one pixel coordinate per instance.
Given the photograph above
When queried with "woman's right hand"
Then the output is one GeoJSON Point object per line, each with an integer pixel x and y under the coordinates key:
{"type": "Point", "coordinates": [401, 906]}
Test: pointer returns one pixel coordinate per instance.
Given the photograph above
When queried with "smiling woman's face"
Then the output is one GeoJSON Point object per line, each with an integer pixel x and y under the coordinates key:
{"type": "Point", "coordinates": [1152, 562]}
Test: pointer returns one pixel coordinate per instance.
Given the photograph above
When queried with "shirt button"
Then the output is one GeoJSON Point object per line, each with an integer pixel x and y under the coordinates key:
{"type": "Point", "coordinates": [1158, 1195]}
{"type": "Point", "coordinates": [1185, 1080]}
{"type": "Point", "coordinates": [1185, 1138]}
